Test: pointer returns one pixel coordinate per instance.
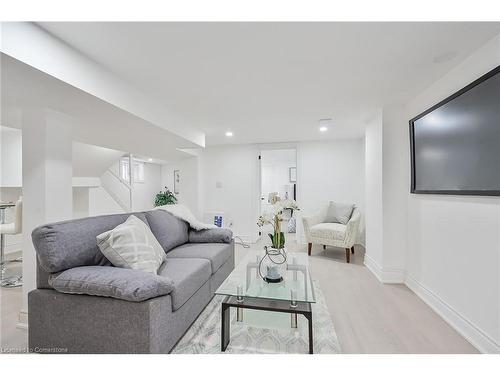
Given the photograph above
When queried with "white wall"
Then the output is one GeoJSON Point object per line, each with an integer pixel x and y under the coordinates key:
{"type": "Point", "coordinates": [80, 202]}
{"type": "Point", "coordinates": [327, 171]}
{"type": "Point", "coordinates": [373, 192]}
{"type": "Point", "coordinates": [453, 259]}
{"type": "Point", "coordinates": [47, 182]}
{"type": "Point", "coordinates": [189, 183]}
{"type": "Point", "coordinates": [230, 180]}
{"type": "Point", "coordinates": [101, 203]}
{"type": "Point", "coordinates": [144, 192]}
{"type": "Point", "coordinates": [230, 183]}
{"type": "Point", "coordinates": [10, 157]}
{"type": "Point", "coordinates": [395, 188]}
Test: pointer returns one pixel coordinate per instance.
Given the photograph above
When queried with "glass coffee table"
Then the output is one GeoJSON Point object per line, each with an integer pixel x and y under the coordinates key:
{"type": "Point", "coordinates": [244, 289]}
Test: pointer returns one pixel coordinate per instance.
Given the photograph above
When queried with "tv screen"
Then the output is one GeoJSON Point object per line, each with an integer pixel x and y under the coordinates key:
{"type": "Point", "coordinates": [455, 145]}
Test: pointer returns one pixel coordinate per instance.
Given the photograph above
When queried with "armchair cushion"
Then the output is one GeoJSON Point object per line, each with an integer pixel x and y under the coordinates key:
{"type": "Point", "coordinates": [106, 281]}
{"type": "Point", "coordinates": [339, 213]}
{"type": "Point", "coordinates": [215, 235]}
{"type": "Point", "coordinates": [329, 231]}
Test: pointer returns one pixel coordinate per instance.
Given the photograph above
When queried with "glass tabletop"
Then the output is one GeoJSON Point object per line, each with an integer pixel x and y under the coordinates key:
{"type": "Point", "coordinates": [245, 280]}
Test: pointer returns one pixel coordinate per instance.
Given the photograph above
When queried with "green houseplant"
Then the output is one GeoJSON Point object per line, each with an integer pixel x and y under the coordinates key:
{"type": "Point", "coordinates": [165, 197]}
{"type": "Point", "coordinates": [272, 266]}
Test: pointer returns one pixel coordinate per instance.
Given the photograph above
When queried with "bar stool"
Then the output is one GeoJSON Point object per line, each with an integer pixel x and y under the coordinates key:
{"type": "Point", "coordinates": [10, 229]}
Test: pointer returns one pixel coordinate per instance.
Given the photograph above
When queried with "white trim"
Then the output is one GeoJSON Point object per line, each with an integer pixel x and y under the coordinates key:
{"type": "Point", "coordinates": [373, 267]}
{"type": "Point", "coordinates": [473, 334]}
{"type": "Point", "coordinates": [384, 275]}
{"type": "Point", "coordinates": [461, 324]}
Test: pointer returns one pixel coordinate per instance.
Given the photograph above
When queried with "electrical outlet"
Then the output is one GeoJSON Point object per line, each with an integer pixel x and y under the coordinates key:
{"type": "Point", "coordinates": [230, 224]}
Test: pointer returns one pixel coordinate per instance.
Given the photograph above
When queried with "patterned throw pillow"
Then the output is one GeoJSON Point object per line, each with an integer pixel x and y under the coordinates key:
{"type": "Point", "coordinates": [132, 245]}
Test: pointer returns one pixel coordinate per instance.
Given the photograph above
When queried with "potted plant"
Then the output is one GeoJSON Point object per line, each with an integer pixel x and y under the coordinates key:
{"type": "Point", "coordinates": [274, 260]}
{"type": "Point", "coordinates": [165, 197]}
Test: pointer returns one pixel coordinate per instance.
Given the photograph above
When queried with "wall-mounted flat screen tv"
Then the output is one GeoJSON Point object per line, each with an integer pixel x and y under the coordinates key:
{"type": "Point", "coordinates": [455, 145]}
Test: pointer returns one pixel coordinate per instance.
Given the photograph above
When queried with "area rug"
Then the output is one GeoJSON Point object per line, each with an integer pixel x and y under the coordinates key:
{"type": "Point", "coordinates": [260, 332]}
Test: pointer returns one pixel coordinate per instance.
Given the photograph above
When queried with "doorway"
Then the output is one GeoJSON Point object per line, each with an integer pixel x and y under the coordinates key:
{"type": "Point", "coordinates": [278, 180]}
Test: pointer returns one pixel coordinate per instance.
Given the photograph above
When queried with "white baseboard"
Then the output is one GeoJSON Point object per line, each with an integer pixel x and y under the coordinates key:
{"type": "Point", "coordinates": [462, 325]}
{"type": "Point", "coordinates": [385, 275]}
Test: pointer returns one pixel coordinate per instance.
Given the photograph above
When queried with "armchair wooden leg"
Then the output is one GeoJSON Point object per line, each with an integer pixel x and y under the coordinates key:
{"type": "Point", "coordinates": [324, 247]}
{"type": "Point", "coordinates": [309, 248]}
{"type": "Point", "coordinates": [348, 255]}
{"type": "Point", "coordinates": [352, 249]}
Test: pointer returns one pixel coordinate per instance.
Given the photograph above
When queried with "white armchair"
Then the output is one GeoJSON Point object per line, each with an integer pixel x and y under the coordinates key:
{"type": "Point", "coordinates": [331, 234]}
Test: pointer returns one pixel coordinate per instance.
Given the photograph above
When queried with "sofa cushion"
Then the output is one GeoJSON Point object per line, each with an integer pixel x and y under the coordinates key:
{"type": "Point", "coordinates": [105, 281]}
{"type": "Point", "coordinates": [73, 243]}
{"type": "Point", "coordinates": [216, 253]}
{"type": "Point", "coordinates": [222, 235]}
{"type": "Point", "coordinates": [188, 275]}
{"type": "Point", "coordinates": [339, 213]}
{"type": "Point", "coordinates": [132, 245]}
{"type": "Point", "coordinates": [331, 231]}
{"type": "Point", "coordinates": [168, 230]}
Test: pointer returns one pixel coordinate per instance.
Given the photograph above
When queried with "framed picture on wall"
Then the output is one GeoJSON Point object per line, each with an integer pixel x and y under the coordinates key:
{"type": "Point", "coordinates": [177, 175]}
{"type": "Point", "coordinates": [292, 172]}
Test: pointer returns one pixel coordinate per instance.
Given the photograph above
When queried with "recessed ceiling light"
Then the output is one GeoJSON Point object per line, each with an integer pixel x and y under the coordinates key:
{"type": "Point", "coordinates": [150, 159]}
{"type": "Point", "coordinates": [229, 134]}
{"type": "Point", "coordinates": [324, 123]}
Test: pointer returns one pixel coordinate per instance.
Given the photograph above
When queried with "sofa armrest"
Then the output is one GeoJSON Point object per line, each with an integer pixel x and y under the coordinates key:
{"type": "Point", "coordinates": [213, 235]}
{"type": "Point", "coordinates": [352, 228]}
{"type": "Point", "coordinates": [105, 281]}
{"type": "Point", "coordinates": [311, 220]}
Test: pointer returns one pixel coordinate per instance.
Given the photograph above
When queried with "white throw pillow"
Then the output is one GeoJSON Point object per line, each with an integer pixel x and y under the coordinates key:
{"type": "Point", "coordinates": [339, 213]}
{"type": "Point", "coordinates": [132, 245]}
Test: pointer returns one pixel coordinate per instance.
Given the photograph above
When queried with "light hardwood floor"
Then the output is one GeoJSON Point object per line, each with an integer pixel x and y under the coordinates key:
{"type": "Point", "coordinates": [369, 317]}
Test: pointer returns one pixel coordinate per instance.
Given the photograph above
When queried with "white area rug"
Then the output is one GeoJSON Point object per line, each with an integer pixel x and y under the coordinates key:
{"type": "Point", "coordinates": [260, 332]}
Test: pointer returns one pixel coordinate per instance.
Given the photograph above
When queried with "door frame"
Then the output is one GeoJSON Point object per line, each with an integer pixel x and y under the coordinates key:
{"type": "Point", "coordinates": [271, 147]}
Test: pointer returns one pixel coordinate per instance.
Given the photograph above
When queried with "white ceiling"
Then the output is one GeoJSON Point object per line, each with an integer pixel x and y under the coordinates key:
{"type": "Point", "coordinates": [271, 82]}
{"type": "Point", "coordinates": [94, 121]}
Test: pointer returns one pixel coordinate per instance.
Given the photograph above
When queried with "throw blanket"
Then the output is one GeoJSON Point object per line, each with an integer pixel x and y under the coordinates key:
{"type": "Point", "coordinates": [182, 212]}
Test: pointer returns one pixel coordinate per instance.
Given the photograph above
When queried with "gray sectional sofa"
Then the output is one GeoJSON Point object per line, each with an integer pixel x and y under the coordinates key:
{"type": "Point", "coordinates": [98, 308]}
